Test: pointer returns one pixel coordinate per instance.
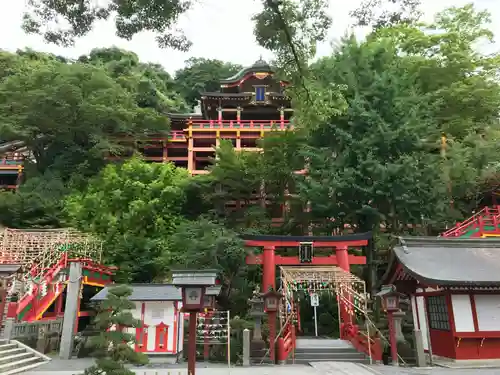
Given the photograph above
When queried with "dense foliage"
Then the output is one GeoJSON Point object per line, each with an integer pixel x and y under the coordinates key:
{"type": "Point", "coordinates": [49, 18]}
{"type": "Point", "coordinates": [399, 132]}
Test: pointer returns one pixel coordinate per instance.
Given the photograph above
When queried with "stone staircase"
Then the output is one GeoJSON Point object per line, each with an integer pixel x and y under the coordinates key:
{"type": "Point", "coordinates": [326, 350]}
{"type": "Point", "coordinates": [16, 357]}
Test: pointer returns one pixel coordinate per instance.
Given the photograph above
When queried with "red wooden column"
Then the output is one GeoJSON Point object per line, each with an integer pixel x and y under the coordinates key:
{"type": "Point", "coordinates": [342, 255]}
{"type": "Point", "coordinates": [269, 281]}
{"type": "Point", "coordinates": [268, 269]}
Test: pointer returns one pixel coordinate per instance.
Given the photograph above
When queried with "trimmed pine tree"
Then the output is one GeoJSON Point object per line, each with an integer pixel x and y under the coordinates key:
{"type": "Point", "coordinates": [113, 347]}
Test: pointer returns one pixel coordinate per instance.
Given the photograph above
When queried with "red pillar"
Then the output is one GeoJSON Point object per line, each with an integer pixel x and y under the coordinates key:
{"type": "Point", "coordinates": [342, 256]}
{"type": "Point", "coordinates": [59, 304]}
{"type": "Point", "coordinates": [269, 281]}
{"type": "Point", "coordinates": [192, 343]}
{"type": "Point", "coordinates": [268, 269]}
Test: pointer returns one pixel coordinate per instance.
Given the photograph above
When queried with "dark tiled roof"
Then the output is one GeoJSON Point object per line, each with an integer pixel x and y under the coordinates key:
{"type": "Point", "coordinates": [183, 116]}
{"type": "Point", "coordinates": [154, 292]}
{"type": "Point", "coordinates": [9, 269]}
{"type": "Point", "coordinates": [258, 66]}
{"type": "Point", "coordinates": [451, 262]}
{"type": "Point", "coordinates": [226, 94]}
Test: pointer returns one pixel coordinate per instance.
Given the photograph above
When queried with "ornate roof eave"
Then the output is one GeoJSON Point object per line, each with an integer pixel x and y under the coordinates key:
{"type": "Point", "coordinates": [260, 66]}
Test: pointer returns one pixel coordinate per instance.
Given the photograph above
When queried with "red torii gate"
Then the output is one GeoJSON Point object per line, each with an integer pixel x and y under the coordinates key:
{"type": "Point", "coordinates": [269, 259]}
{"type": "Point", "coordinates": [339, 257]}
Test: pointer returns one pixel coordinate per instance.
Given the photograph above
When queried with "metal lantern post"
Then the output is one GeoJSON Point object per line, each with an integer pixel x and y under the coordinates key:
{"type": "Point", "coordinates": [390, 303]}
{"type": "Point", "coordinates": [193, 284]}
{"type": "Point", "coordinates": [271, 304]}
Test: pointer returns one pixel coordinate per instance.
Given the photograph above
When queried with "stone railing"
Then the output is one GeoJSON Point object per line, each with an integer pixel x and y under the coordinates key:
{"type": "Point", "coordinates": [43, 336]}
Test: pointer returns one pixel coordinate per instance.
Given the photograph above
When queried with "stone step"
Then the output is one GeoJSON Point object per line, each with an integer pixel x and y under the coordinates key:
{"type": "Point", "coordinates": [330, 351]}
{"type": "Point", "coordinates": [306, 361]}
{"type": "Point", "coordinates": [7, 347]}
{"type": "Point", "coordinates": [259, 362]}
{"type": "Point", "coordinates": [9, 352]}
{"type": "Point", "coordinates": [10, 366]}
{"type": "Point", "coordinates": [345, 356]}
{"type": "Point", "coordinates": [21, 370]}
{"type": "Point", "coordinates": [15, 357]}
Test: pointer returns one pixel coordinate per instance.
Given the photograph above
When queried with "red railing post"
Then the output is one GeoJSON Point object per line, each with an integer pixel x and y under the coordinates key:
{"type": "Point", "coordinates": [280, 350]}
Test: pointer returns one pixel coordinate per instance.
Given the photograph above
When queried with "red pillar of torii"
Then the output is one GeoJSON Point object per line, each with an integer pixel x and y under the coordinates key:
{"type": "Point", "coordinates": [339, 257]}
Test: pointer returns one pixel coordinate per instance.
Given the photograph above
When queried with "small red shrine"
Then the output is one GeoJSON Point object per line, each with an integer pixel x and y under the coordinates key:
{"type": "Point", "coordinates": [454, 286]}
{"type": "Point", "coordinates": [158, 308]}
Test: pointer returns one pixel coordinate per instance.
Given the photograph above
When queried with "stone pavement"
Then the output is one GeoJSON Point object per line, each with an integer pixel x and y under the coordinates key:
{"type": "Point", "coordinates": [73, 367]}
{"type": "Point", "coordinates": [390, 370]}
{"type": "Point", "coordinates": [263, 370]}
{"type": "Point", "coordinates": [341, 368]}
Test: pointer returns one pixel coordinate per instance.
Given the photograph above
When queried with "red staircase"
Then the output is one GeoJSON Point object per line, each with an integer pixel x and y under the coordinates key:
{"type": "Point", "coordinates": [484, 223]}
{"type": "Point", "coordinates": [46, 285]}
{"type": "Point", "coordinates": [44, 257]}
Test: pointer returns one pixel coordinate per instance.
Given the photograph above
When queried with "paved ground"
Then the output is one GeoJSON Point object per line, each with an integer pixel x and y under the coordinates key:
{"type": "Point", "coordinates": [76, 366]}
{"type": "Point", "coordinates": [389, 370]}
{"type": "Point", "coordinates": [271, 370]}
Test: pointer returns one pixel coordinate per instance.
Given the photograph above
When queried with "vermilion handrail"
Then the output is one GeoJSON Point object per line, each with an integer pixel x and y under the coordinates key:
{"type": "Point", "coordinates": [237, 124]}
{"type": "Point", "coordinates": [286, 343]}
{"type": "Point", "coordinates": [492, 213]}
{"type": "Point", "coordinates": [48, 275]}
{"type": "Point", "coordinates": [362, 343]}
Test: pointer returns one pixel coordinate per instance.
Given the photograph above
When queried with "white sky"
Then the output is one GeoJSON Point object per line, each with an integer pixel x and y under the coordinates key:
{"type": "Point", "coordinates": [219, 29]}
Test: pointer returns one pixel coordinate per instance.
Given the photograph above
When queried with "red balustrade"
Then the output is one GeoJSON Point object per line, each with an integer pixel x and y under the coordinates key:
{"type": "Point", "coordinates": [47, 276]}
{"type": "Point", "coordinates": [482, 221]}
{"type": "Point", "coordinates": [286, 343]}
{"type": "Point", "coordinates": [240, 124]}
{"type": "Point", "coordinates": [177, 135]}
{"type": "Point", "coordinates": [372, 347]}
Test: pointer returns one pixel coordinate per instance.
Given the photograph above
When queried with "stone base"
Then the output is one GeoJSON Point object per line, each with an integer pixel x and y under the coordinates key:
{"type": "Point", "coordinates": [257, 345]}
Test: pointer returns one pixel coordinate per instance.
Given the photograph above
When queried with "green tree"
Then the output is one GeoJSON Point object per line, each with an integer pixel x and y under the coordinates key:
{"type": "Point", "coordinates": [200, 75]}
{"type": "Point", "coordinates": [292, 29]}
{"type": "Point", "coordinates": [37, 204]}
{"type": "Point", "coordinates": [130, 17]}
{"type": "Point", "coordinates": [236, 177]}
{"type": "Point", "coordinates": [113, 348]}
{"type": "Point", "coordinates": [461, 83]}
{"type": "Point", "coordinates": [134, 208]}
{"type": "Point", "coordinates": [207, 244]}
{"type": "Point", "coordinates": [69, 115]}
{"type": "Point", "coordinates": [385, 13]}
{"type": "Point", "coordinates": [373, 162]}
{"type": "Point", "coordinates": [151, 85]}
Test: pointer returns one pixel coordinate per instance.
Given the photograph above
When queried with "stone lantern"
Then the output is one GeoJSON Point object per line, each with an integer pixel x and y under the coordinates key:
{"type": "Point", "coordinates": [257, 312]}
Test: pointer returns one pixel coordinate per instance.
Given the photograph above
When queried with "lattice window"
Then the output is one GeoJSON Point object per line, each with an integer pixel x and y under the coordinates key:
{"type": "Point", "coordinates": [437, 310]}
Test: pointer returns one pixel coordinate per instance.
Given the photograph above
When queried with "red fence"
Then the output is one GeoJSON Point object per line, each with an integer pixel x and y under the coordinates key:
{"type": "Point", "coordinates": [240, 124]}
{"type": "Point", "coordinates": [286, 343]}
{"type": "Point", "coordinates": [372, 347]}
{"type": "Point", "coordinates": [487, 217]}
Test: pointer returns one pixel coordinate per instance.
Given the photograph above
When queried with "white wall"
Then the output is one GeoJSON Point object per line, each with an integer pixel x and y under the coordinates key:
{"type": "Point", "coordinates": [155, 313]}
{"type": "Point", "coordinates": [423, 321]}
{"type": "Point", "coordinates": [462, 313]}
{"type": "Point", "coordinates": [488, 311]}
{"type": "Point", "coordinates": [180, 320]}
